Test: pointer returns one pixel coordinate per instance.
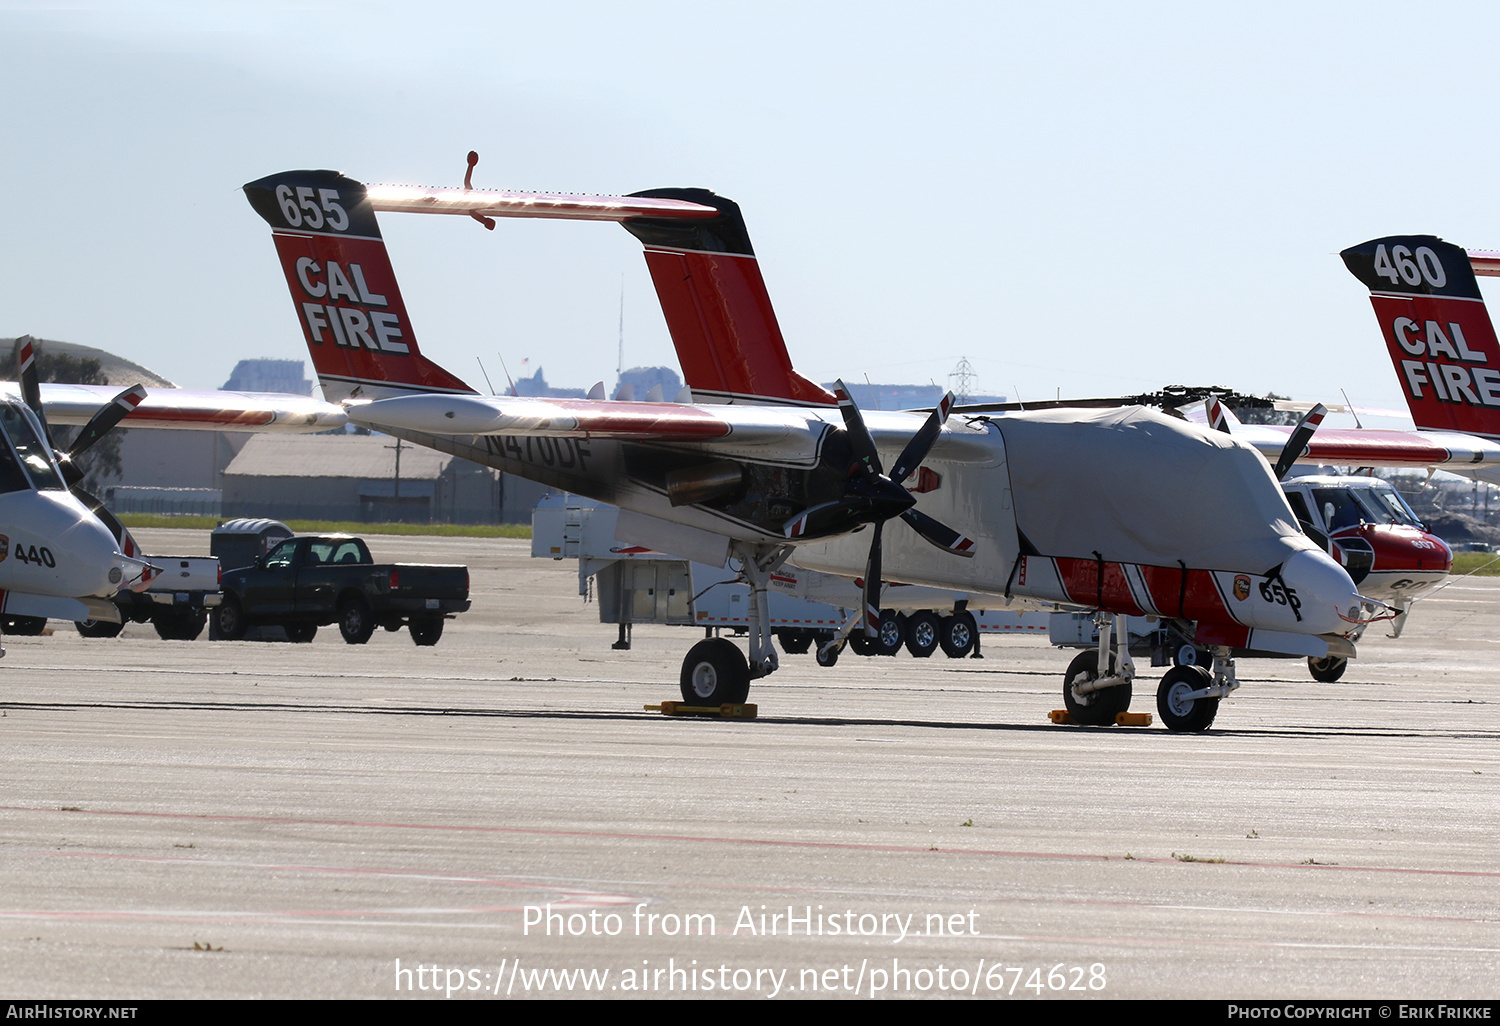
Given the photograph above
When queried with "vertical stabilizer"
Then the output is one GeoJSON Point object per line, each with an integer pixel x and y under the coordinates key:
{"type": "Point", "coordinates": [717, 306]}
{"type": "Point", "coordinates": [1436, 327]}
{"type": "Point", "coordinates": [343, 287]}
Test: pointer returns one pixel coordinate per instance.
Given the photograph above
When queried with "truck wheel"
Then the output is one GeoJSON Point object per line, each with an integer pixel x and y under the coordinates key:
{"type": "Point", "coordinates": [958, 634]}
{"type": "Point", "coordinates": [99, 628]}
{"type": "Point", "coordinates": [427, 630]}
{"type": "Point", "coordinates": [300, 633]}
{"type": "Point", "coordinates": [229, 619]}
{"type": "Point", "coordinates": [922, 634]}
{"type": "Point", "coordinates": [25, 626]}
{"type": "Point", "coordinates": [179, 625]}
{"type": "Point", "coordinates": [355, 622]}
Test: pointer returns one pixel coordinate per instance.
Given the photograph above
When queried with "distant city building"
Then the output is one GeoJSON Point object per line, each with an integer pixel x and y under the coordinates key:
{"type": "Point", "coordinates": [536, 385]}
{"type": "Point", "coordinates": [642, 379]}
{"type": "Point", "coordinates": [269, 376]}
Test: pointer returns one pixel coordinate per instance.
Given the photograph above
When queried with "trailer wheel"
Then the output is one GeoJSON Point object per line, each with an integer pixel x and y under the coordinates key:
{"type": "Point", "coordinates": [891, 633]}
{"type": "Point", "coordinates": [1098, 708]}
{"type": "Point", "coordinates": [355, 622]}
{"type": "Point", "coordinates": [794, 641]}
{"type": "Point", "coordinates": [427, 630]}
{"type": "Point", "coordinates": [958, 634]}
{"type": "Point", "coordinates": [99, 628]}
{"type": "Point", "coordinates": [25, 626]}
{"type": "Point", "coordinates": [923, 631]}
{"type": "Point", "coordinates": [715, 672]}
{"type": "Point", "coordinates": [1180, 713]}
{"type": "Point", "coordinates": [229, 619]}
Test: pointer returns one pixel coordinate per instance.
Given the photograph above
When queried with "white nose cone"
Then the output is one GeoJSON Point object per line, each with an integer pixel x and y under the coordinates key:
{"type": "Point", "coordinates": [1324, 590]}
{"type": "Point", "coordinates": [55, 546]}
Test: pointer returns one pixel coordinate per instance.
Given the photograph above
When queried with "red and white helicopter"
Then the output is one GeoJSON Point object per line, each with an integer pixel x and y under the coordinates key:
{"type": "Point", "coordinates": [1056, 507]}
{"type": "Point", "coordinates": [62, 554]}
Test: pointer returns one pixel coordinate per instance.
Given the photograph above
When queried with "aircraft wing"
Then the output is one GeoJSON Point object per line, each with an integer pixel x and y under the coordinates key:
{"type": "Point", "coordinates": [184, 408]}
{"type": "Point", "coordinates": [1359, 447]}
{"type": "Point", "coordinates": [774, 434]}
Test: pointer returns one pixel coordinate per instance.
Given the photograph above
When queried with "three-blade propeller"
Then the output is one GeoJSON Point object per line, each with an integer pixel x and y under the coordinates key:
{"type": "Point", "coordinates": [98, 426]}
{"type": "Point", "coordinates": [1296, 444]}
{"type": "Point", "coordinates": [873, 497]}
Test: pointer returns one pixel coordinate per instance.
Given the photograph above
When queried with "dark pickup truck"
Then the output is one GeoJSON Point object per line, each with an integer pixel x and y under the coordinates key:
{"type": "Point", "coordinates": [308, 582]}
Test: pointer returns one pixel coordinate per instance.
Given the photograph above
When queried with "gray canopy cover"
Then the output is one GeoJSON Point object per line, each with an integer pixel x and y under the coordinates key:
{"type": "Point", "coordinates": [1134, 485]}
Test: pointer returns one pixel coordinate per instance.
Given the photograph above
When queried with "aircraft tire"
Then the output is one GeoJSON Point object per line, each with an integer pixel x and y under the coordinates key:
{"type": "Point", "coordinates": [830, 657]}
{"type": "Point", "coordinates": [1104, 705]}
{"type": "Point", "coordinates": [923, 632]}
{"type": "Point", "coordinates": [355, 622]}
{"type": "Point", "coordinates": [1185, 715]}
{"type": "Point", "coordinates": [714, 673]}
{"type": "Point", "coordinates": [229, 619]}
{"type": "Point", "coordinates": [1328, 669]}
{"type": "Point", "coordinates": [426, 631]}
{"type": "Point", "coordinates": [99, 628]}
{"type": "Point", "coordinates": [957, 634]}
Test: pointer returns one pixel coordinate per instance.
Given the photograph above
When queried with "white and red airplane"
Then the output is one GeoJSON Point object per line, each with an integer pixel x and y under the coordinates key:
{"type": "Point", "coordinates": [62, 554]}
{"type": "Point", "coordinates": [1056, 507]}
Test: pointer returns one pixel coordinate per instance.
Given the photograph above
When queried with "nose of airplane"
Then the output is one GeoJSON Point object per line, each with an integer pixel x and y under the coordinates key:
{"type": "Point", "coordinates": [1325, 590]}
{"type": "Point", "coordinates": [89, 561]}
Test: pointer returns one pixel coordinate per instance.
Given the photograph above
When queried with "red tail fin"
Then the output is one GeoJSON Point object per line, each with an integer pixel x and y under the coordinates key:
{"type": "Point", "coordinates": [1436, 328]}
{"type": "Point", "coordinates": [344, 288]}
{"type": "Point", "coordinates": [717, 307]}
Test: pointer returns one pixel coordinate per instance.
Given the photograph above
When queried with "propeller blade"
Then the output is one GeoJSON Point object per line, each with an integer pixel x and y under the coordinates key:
{"type": "Point", "coordinates": [921, 443]}
{"type": "Point", "coordinates": [859, 435]}
{"type": "Point", "coordinates": [31, 391]}
{"type": "Point", "coordinates": [1297, 443]}
{"type": "Point", "coordinates": [107, 417]}
{"type": "Point", "coordinates": [872, 586]}
{"type": "Point", "coordinates": [940, 534]}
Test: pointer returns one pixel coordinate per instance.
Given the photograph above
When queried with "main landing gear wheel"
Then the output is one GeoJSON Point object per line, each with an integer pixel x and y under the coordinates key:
{"type": "Point", "coordinates": [1097, 708]}
{"type": "Point", "coordinates": [1180, 712]}
{"type": "Point", "coordinates": [957, 634]}
{"type": "Point", "coordinates": [715, 672]}
{"type": "Point", "coordinates": [923, 631]}
{"type": "Point", "coordinates": [99, 628]}
{"type": "Point", "coordinates": [1328, 669]}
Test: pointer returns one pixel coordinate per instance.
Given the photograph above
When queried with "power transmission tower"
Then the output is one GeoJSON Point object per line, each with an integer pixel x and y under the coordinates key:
{"type": "Point", "coordinates": [963, 378]}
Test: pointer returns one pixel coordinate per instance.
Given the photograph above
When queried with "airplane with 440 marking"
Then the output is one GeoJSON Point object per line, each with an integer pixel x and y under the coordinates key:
{"type": "Point", "coordinates": [1054, 507]}
{"type": "Point", "coordinates": [62, 554]}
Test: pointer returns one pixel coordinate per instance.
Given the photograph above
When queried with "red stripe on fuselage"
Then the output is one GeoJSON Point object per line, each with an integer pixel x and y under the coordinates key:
{"type": "Point", "coordinates": [1084, 584]}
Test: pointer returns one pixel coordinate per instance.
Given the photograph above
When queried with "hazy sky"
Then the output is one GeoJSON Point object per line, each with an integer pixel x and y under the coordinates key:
{"type": "Point", "coordinates": [1084, 197]}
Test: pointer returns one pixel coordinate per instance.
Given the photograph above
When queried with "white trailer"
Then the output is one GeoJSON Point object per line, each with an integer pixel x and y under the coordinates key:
{"type": "Point", "coordinates": [635, 584]}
